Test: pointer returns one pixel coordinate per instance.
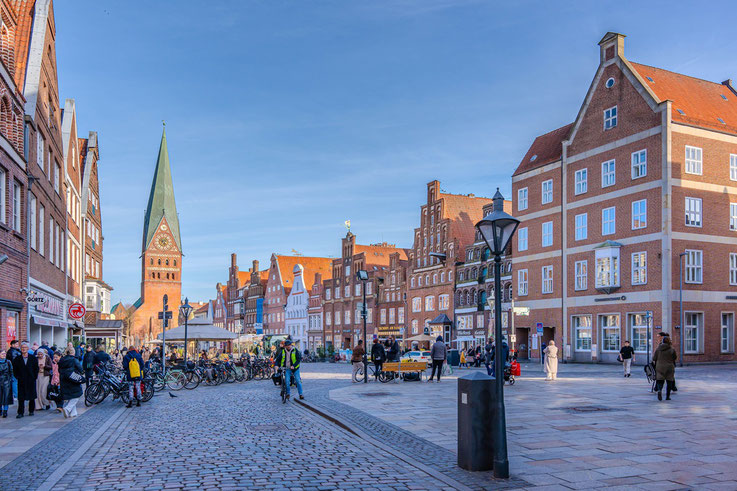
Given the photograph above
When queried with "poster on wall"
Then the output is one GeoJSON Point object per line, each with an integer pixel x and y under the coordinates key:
{"type": "Point", "coordinates": [12, 331]}
{"type": "Point", "coordinates": [534, 341]}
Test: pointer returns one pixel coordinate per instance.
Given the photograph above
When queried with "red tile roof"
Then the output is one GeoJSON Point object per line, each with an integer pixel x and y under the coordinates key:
{"type": "Point", "coordinates": [378, 255]}
{"type": "Point", "coordinates": [703, 103]}
{"type": "Point", "coordinates": [244, 278]}
{"type": "Point", "coordinates": [545, 149]}
{"type": "Point", "coordinates": [311, 265]}
{"type": "Point", "coordinates": [25, 10]}
{"type": "Point", "coordinates": [464, 212]}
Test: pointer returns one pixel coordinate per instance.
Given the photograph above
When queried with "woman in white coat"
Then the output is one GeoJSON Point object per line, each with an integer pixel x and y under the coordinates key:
{"type": "Point", "coordinates": [551, 361]}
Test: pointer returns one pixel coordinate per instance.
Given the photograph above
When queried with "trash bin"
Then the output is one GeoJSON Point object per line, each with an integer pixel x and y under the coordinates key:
{"type": "Point", "coordinates": [475, 413]}
{"type": "Point", "coordinates": [454, 358]}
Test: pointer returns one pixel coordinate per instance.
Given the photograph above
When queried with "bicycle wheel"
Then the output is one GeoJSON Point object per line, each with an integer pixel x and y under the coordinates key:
{"type": "Point", "coordinates": [92, 393]}
{"type": "Point", "coordinates": [358, 375]}
{"type": "Point", "coordinates": [193, 380]}
{"type": "Point", "coordinates": [147, 389]}
{"type": "Point", "coordinates": [229, 376]}
{"type": "Point", "coordinates": [240, 374]}
{"type": "Point", "coordinates": [175, 380]}
{"type": "Point", "coordinates": [385, 377]}
{"type": "Point", "coordinates": [283, 391]}
{"type": "Point", "coordinates": [124, 396]}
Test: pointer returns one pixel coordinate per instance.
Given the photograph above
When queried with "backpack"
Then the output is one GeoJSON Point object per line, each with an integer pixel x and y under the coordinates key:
{"type": "Point", "coordinates": [134, 368]}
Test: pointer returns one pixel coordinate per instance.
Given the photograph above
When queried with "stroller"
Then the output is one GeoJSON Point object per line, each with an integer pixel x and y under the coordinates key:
{"type": "Point", "coordinates": [512, 370]}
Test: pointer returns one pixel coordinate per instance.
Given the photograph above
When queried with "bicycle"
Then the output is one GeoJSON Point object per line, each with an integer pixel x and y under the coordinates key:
{"type": "Point", "coordinates": [358, 376]}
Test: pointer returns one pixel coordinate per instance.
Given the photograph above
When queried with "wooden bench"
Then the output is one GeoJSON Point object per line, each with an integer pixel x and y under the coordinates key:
{"type": "Point", "coordinates": [405, 367]}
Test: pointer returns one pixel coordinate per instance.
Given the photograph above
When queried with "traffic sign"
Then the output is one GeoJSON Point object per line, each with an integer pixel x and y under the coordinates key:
{"type": "Point", "coordinates": [77, 310]}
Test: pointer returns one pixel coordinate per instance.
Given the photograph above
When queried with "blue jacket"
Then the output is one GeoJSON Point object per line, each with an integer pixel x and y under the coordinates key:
{"type": "Point", "coordinates": [126, 361]}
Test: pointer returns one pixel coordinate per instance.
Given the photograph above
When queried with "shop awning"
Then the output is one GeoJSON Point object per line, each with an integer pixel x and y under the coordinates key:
{"type": "Point", "coordinates": [104, 328]}
{"type": "Point", "coordinates": [45, 321]}
{"type": "Point", "coordinates": [199, 330]}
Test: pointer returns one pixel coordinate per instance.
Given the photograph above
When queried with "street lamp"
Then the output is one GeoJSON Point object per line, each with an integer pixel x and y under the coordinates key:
{"type": "Point", "coordinates": [497, 229]}
{"type": "Point", "coordinates": [185, 309]}
{"type": "Point", "coordinates": [362, 276]}
{"type": "Point", "coordinates": [681, 328]}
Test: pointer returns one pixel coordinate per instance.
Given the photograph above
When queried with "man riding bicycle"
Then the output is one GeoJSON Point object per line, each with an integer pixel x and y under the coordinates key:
{"type": "Point", "coordinates": [288, 360]}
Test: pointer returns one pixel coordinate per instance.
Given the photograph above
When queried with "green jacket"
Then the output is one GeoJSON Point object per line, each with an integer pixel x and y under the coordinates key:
{"type": "Point", "coordinates": [281, 360]}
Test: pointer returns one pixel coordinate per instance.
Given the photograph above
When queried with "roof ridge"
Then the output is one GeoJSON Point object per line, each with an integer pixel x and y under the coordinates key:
{"type": "Point", "coordinates": [677, 73]}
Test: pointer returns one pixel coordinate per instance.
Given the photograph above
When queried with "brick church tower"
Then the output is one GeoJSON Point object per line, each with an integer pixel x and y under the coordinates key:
{"type": "Point", "coordinates": [161, 258]}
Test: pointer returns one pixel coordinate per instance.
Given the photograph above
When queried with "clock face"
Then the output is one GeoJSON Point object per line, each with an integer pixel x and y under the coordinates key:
{"type": "Point", "coordinates": [164, 227]}
{"type": "Point", "coordinates": [162, 242]}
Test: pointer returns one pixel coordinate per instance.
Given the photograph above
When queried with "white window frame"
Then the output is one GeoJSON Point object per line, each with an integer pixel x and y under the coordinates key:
{"type": "Point", "coordinates": [581, 272]}
{"type": "Point", "coordinates": [694, 162]}
{"type": "Point", "coordinates": [581, 181]}
{"type": "Point", "coordinates": [429, 303]}
{"type": "Point", "coordinates": [639, 268]}
{"type": "Point", "coordinates": [726, 337]}
{"type": "Point", "coordinates": [607, 265]}
{"type": "Point", "coordinates": [638, 324]}
{"type": "Point", "coordinates": [522, 196]}
{"type": "Point", "coordinates": [692, 332]}
{"type": "Point", "coordinates": [610, 322]}
{"type": "Point", "coordinates": [639, 214]}
{"type": "Point", "coordinates": [610, 118]}
{"type": "Point", "coordinates": [693, 212]}
{"type": "Point", "coordinates": [547, 194]}
{"type": "Point", "coordinates": [609, 219]}
{"type": "Point", "coordinates": [522, 282]}
{"type": "Point", "coordinates": [522, 237]}
{"type": "Point", "coordinates": [17, 206]}
{"type": "Point", "coordinates": [733, 167]}
{"type": "Point", "coordinates": [547, 234]}
{"type": "Point", "coordinates": [41, 229]}
{"type": "Point", "coordinates": [582, 226]}
{"type": "Point", "coordinates": [547, 280]}
{"type": "Point", "coordinates": [694, 266]}
{"type": "Point", "coordinates": [608, 173]}
{"type": "Point", "coordinates": [3, 196]}
{"type": "Point", "coordinates": [639, 164]}
{"type": "Point", "coordinates": [417, 304]}
{"type": "Point", "coordinates": [733, 217]}
{"type": "Point", "coordinates": [578, 327]}
{"type": "Point", "coordinates": [33, 218]}
{"type": "Point", "coordinates": [733, 268]}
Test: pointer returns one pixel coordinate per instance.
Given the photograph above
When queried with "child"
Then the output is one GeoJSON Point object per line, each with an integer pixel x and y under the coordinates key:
{"type": "Point", "coordinates": [463, 359]}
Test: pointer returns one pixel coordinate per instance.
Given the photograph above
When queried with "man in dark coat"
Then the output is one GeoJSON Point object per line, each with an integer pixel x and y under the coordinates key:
{"type": "Point", "coordinates": [12, 353]}
{"type": "Point", "coordinates": [25, 370]}
{"type": "Point", "coordinates": [88, 363]}
{"type": "Point", "coordinates": [134, 382]}
{"type": "Point", "coordinates": [378, 355]}
{"type": "Point", "coordinates": [100, 356]}
{"type": "Point", "coordinates": [70, 390]}
{"type": "Point", "coordinates": [393, 354]}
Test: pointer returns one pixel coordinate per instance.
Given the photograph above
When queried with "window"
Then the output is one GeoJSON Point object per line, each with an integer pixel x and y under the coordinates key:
{"type": "Point", "coordinates": [51, 240]}
{"type": "Point", "coordinates": [733, 268]}
{"type": "Point", "coordinates": [416, 304]}
{"type": "Point", "coordinates": [694, 266]}
{"type": "Point", "coordinates": [3, 195]}
{"type": "Point", "coordinates": [414, 326]}
{"type": "Point", "coordinates": [16, 206]}
{"type": "Point", "coordinates": [327, 293]}
{"type": "Point", "coordinates": [41, 236]}
{"type": "Point", "coordinates": [547, 286]}
{"type": "Point", "coordinates": [547, 234]}
{"type": "Point", "coordinates": [639, 214]}
{"type": "Point", "coordinates": [733, 167]}
{"type": "Point", "coordinates": [608, 177]}
{"type": "Point", "coordinates": [57, 174]}
{"type": "Point", "coordinates": [368, 288]}
{"type": "Point", "coordinates": [40, 146]}
{"type": "Point", "coordinates": [608, 221]}
{"type": "Point", "coordinates": [693, 212]}
{"type": "Point", "coordinates": [400, 315]}
{"type": "Point", "coordinates": [429, 303]}
{"type": "Point", "coordinates": [582, 226]}
{"type": "Point", "coordinates": [347, 292]}
{"type": "Point", "coordinates": [358, 289]}
{"type": "Point", "coordinates": [337, 292]}
{"type": "Point", "coordinates": [607, 267]}
{"type": "Point", "coordinates": [582, 275]}
{"type": "Point", "coordinates": [609, 332]}
{"type": "Point", "coordinates": [581, 181]}
{"type": "Point", "coordinates": [34, 204]}
{"type": "Point", "coordinates": [522, 239]}
{"type": "Point", "coordinates": [610, 118]}
{"type": "Point", "coordinates": [638, 325]}
{"type": "Point", "coordinates": [522, 198]}
{"type": "Point", "coordinates": [522, 282]}
{"type": "Point", "coordinates": [693, 160]}
{"type": "Point", "coordinates": [582, 331]}
{"type": "Point", "coordinates": [328, 318]}
{"type": "Point", "coordinates": [392, 316]}
{"type": "Point", "coordinates": [639, 268]}
{"type": "Point", "coordinates": [727, 334]}
{"type": "Point", "coordinates": [547, 196]}
{"type": "Point", "coordinates": [733, 216]}
{"type": "Point", "coordinates": [692, 333]}
{"type": "Point", "coordinates": [348, 270]}
{"type": "Point", "coordinates": [444, 302]}
{"type": "Point", "coordinates": [639, 164]}
{"type": "Point", "coordinates": [337, 317]}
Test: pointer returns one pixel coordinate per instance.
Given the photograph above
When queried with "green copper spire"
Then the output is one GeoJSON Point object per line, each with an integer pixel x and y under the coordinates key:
{"type": "Point", "coordinates": [161, 202]}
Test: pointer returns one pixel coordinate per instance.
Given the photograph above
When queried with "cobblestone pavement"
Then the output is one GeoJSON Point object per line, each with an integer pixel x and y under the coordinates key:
{"type": "Point", "coordinates": [592, 428]}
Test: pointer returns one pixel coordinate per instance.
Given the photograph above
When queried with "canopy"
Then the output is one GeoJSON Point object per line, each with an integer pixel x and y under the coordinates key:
{"type": "Point", "coordinates": [461, 339]}
{"type": "Point", "coordinates": [421, 337]}
{"type": "Point", "coordinates": [198, 330]}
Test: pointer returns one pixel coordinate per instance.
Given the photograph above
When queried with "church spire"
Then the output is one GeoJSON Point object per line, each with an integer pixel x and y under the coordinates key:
{"type": "Point", "coordinates": [161, 202]}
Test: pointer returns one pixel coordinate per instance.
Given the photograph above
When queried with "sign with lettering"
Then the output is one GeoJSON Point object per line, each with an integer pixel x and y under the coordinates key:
{"type": "Point", "coordinates": [46, 303]}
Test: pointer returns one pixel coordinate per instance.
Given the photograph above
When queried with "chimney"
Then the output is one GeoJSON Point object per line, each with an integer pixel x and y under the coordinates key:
{"type": "Point", "coordinates": [318, 278]}
{"type": "Point", "coordinates": [433, 187]}
{"type": "Point", "coordinates": [611, 46]}
{"type": "Point", "coordinates": [255, 264]}
{"type": "Point", "coordinates": [233, 259]}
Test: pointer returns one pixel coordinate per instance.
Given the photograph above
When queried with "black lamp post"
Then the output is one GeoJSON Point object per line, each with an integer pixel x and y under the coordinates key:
{"type": "Point", "coordinates": [362, 275]}
{"type": "Point", "coordinates": [497, 229]}
{"type": "Point", "coordinates": [185, 309]}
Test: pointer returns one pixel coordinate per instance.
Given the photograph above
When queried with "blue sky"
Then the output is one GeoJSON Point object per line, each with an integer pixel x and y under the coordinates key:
{"type": "Point", "coordinates": [286, 118]}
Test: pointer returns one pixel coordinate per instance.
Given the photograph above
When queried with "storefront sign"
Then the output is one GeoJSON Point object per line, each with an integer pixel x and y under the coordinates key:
{"type": "Point", "coordinates": [463, 332]}
{"type": "Point", "coordinates": [35, 299]}
{"type": "Point", "coordinates": [77, 311]}
{"type": "Point", "coordinates": [50, 305]}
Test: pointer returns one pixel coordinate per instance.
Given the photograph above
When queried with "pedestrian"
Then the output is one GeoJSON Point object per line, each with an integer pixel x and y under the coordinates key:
{"type": "Point", "coordinates": [477, 356]}
{"type": "Point", "coordinates": [378, 355]}
{"type": "Point", "coordinates": [463, 363]}
{"type": "Point", "coordinates": [101, 358]}
{"type": "Point", "coordinates": [505, 356]}
{"type": "Point", "coordinates": [70, 377]}
{"type": "Point", "coordinates": [45, 346]}
{"type": "Point", "coordinates": [6, 383]}
{"type": "Point", "coordinates": [133, 366]}
{"type": "Point", "coordinates": [357, 359]}
{"type": "Point", "coordinates": [117, 358]}
{"type": "Point", "coordinates": [55, 385]}
{"type": "Point", "coordinates": [488, 359]}
{"type": "Point", "coordinates": [88, 363]}
{"type": "Point", "coordinates": [393, 354]}
{"type": "Point", "coordinates": [661, 336]}
{"type": "Point", "coordinates": [25, 369]}
{"type": "Point", "coordinates": [12, 353]}
{"type": "Point", "coordinates": [42, 379]}
{"type": "Point", "coordinates": [438, 355]}
{"type": "Point", "coordinates": [145, 355]}
{"type": "Point", "coordinates": [665, 368]}
{"type": "Point", "coordinates": [79, 351]}
{"type": "Point", "coordinates": [289, 360]}
{"type": "Point", "coordinates": [551, 361]}
{"type": "Point", "coordinates": [33, 349]}
{"type": "Point", "coordinates": [627, 357]}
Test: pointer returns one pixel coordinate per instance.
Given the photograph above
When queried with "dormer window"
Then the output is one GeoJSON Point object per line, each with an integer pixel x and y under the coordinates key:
{"type": "Point", "coordinates": [607, 266]}
{"type": "Point", "coordinates": [610, 118]}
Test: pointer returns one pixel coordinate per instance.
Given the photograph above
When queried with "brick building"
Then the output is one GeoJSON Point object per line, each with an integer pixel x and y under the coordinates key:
{"type": "Point", "coordinates": [235, 290]}
{"type": "Point", "coordinates": [296, 313]}
{"type": "Point", "coordinates": [447, 226]}
{"type": "Point", "coordinates": [254, 302]}
{"type": "Point", "coordinates": [161, 258]}
{"type": "Point", "coordinates": [343, 293]}
{"type": "Point", "coordinates": [392, 293]}
{"type": "Point", "coordinates": [220, 306]}
{"type": "Point", "coordinates": [474, 284]}
{"type": "Point", "coordinates": [315, 314]}
{"type": "Point", "coordinates": [14, 229]}
{"type": "Point", "coordinates": [595, 255]}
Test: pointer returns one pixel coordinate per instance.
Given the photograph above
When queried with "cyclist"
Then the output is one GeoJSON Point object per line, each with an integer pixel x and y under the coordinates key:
{"type": "Point", "coordinates": [288, 359]}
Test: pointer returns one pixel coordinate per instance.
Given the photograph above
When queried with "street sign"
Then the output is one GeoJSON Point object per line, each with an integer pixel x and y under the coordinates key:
{"type": "Point", "coordinates": [77, 310]}
{"type": "Point", "coordinates": [512, 338]}
{"type": "Point", "coordinates": [522, 310]}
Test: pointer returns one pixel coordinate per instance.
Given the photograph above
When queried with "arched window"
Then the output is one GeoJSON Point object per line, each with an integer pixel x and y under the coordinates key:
{"type": "Point", "coordinates": [434, 278]}
{"type": "Point", "coordinates": [158, 276]}
{"type": "Point", "coordinates": [173, 277]}
{"type": "Point", "coordinates": [482, 300]}
{"type": "Point", "coordinates": [487, 253]}
{"type": "Point", "coordinates": [419, 281]}
{"type": "Point", "coordinates": [152, 261]}
{"type": "Point", "coordinates": [474, 273]}
{"type": "Point", "coordinates": [153, 275]}
{"type": "Point", "coordinates": [427, 279]}
{"type": "Point", "coordinates": [484, 272]}
{"type": "Point", "coordinates": [159, 262]}
{"type": "Point", "coordinates": [167, 262]}
{"type": "Point", "coordinates": [167, 276]}
{"type": "Point", "coordinates": [412, 282]}
{"type": "Point", "coordinates": [175, 262]}
{"type": "Point", "coordinates": [475, 298]}
{"type": "Point", "coordinates": [468, 298]}
{"type": "Point", "coordinates": [461, 276]}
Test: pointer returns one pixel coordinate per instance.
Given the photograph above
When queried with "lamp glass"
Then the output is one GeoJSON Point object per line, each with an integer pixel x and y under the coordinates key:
{"type": "Point", "coordinates": [186, 309]}
{"type": "Point", "coordinates": [362, 275]}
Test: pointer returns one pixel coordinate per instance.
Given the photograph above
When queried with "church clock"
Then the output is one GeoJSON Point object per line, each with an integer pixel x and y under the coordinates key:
{"type": "Point", "coordinates": [162, 242]}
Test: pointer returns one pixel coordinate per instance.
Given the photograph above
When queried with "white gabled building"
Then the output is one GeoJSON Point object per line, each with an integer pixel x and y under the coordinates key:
{"type": "Point", "coordinates": [295, 313]}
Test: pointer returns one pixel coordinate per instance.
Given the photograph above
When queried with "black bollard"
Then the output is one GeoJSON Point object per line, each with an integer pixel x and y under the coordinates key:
{"type": "Point", "coordinates": [475, 414]}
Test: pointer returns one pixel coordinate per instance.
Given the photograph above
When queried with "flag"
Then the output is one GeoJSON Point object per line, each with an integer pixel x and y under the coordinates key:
{"type": "Point", "coordinates": [348, 224]}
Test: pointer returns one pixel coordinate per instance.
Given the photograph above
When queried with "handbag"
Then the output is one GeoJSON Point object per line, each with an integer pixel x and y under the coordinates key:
{"type": "Point", "coordinates": [53, 393]}
{"type": "Point", "coordinates": [619, 358]}
{"type": "Point", "coordinates": [75, 377]}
